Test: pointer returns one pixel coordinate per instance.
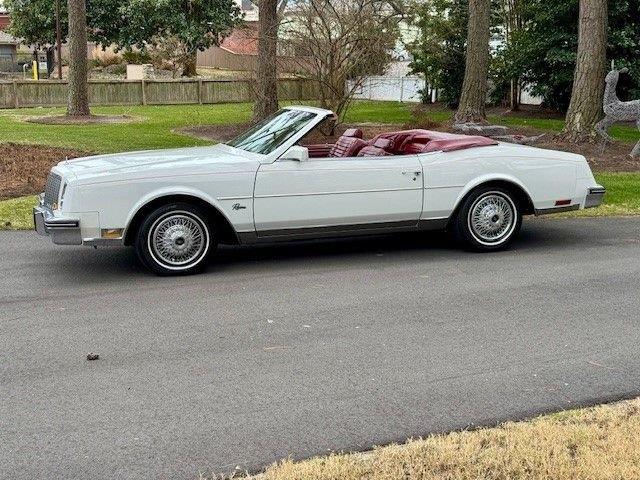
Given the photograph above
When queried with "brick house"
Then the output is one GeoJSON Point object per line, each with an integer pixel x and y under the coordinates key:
{"type": "Point", "coordinates": [4, 17]}
{"type": "Point", "coordinates": [239, 51]}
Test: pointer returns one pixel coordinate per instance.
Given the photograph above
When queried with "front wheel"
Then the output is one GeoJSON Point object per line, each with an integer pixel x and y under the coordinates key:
{"type": "Point", "coordinates": [175, 239]}
{"type": "Point", "coordinates": [488, 220]}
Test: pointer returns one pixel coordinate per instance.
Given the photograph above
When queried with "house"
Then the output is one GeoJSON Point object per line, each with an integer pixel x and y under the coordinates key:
{"type": "Point", "coordinates": [239, 50]}
{"type": "Point", "coordinates": [8, 50]}
{"type": "Point", "coordinates": [4, 17]}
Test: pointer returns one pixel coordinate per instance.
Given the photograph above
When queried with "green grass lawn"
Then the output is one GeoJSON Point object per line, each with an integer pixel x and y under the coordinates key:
{"type": "Point", "coordinates": [16, 214]}
{"type": "Point", "coordinates": [620, 132]}
{"type": "Point", "coordinates": [154, 126]}
{"type": "Point", "coordinates": [622, 198]}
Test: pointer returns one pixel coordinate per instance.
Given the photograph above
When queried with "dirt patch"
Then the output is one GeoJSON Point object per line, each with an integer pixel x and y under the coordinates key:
{"type": "Point", "coordinates": [24, 168]}
{"type": "Point", "coordinates": [612, 157]}
{"type": "Point", "coordinates": [88, 120]}
{"type": "Point", "coordinates": [216, 133]}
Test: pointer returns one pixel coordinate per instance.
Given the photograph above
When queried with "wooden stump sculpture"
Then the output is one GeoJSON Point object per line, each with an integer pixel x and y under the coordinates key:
{"type": "Point", "coordinates": [617, 111]}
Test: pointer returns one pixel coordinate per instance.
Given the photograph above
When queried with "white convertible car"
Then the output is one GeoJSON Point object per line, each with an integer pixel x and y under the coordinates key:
{"type": "Point", "coordinates": [176, 206]}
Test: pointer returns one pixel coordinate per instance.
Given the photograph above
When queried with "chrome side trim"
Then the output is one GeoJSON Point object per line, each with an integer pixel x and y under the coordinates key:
{"type": "Point", "coordinates": [346, 192]}
{"type": "Point", "coordinates": [247, 197]}
{"type": "Point", "coordinates": [442, 186]}
{"type": "Point", "coordinates": [547, 211]}
{"type": "Point", "coordinates": [334, 231]}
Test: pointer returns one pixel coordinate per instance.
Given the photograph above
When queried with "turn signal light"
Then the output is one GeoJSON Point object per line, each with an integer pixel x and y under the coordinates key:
{"type": "Point", "coordinates": [112, 233]}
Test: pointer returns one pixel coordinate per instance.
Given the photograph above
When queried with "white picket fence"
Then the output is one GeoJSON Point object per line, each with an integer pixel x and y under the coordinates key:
{"type": "Point", "coordinates": [399, 89]}
{"type": "Point", "coordinates": [406, 89]}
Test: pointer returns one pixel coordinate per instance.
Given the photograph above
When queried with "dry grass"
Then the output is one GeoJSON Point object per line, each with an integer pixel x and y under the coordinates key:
{"type": "Point", "coordinates": [594, 443]}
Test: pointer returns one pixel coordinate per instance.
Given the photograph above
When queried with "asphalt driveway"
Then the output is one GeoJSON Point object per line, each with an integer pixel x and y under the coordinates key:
{"type": "Point", "coordinates": [300, 349]}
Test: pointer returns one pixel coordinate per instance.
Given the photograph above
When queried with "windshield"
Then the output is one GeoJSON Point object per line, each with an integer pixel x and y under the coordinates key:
{"type": "Point", "coordinates": [269, 134]}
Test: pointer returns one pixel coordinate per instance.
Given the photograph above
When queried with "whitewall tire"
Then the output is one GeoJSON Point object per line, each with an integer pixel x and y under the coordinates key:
{"type": "Point", "coordinates": [488, 219]}
{"type": "Point", "coordinates": [175, 239]}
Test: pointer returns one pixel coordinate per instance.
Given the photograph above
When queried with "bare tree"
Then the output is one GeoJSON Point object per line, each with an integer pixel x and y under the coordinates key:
{"type": "Point", "coordinates": [471, 108]}
{"type": "Point", "coordinates": [585, 108]}
{"type": "Point", "coordinates": [78, 104]}
{"type": "Point", "coordinates": [341, 42]}
{"type": "Point", "coordinates": [267, 73]}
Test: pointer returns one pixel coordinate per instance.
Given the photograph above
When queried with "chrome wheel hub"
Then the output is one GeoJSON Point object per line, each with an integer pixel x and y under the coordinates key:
{"type": "Point", "coordinates": [492, 218]}
{"type": "Point", "coordinates": [178, 239]}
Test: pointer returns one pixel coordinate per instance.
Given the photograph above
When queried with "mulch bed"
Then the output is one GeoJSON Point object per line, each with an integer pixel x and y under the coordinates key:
{"type": "Point", "coordinates": [612, 157]}
{"type": "Point", "coordinates": [217, 133]}
{"type": "Point", "coordinates": [24, 168]}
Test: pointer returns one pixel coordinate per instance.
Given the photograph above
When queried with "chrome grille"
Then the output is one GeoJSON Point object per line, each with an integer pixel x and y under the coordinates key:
{"type": "Point", "coordinates": [52, 190]}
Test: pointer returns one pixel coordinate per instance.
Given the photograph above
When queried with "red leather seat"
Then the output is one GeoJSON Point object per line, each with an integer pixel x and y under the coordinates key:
{"type": "Point", "coordinates": [319, 150]}
{"type": "Point", "coordinates": [382, 147]}
{"type": "Point", "coordinates": [398, 138]}
{"type": "Point", "coordinates": [415, 143]}
{"type": "Point", "coordinates": [349, 144]}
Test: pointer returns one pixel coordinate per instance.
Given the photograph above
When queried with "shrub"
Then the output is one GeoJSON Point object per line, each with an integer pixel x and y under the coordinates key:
{"type": "Point", "coordinates": [136, 57]}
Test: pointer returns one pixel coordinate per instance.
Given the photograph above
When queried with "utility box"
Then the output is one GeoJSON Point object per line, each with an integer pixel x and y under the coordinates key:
{"type": "Point", "coordinates": [139, 72]}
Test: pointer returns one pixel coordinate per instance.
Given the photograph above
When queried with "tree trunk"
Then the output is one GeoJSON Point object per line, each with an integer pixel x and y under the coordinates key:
{"type": "Point", "coordinates": [189, 69]}
{"type": "Point", "coordinates": [515, 95]}
{"type": "Point", "coordinates": [267, 75]}
{"type": "Point", "coordinates": [585, 108]}
{"type": "Point", "coordinates": [474, 88]}
{"type": "Point", "coordinates": [78, 104]}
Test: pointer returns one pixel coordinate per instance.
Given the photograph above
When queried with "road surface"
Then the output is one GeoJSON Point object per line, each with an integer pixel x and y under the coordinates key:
{"type": "Point", "coordinates": [301, 349]}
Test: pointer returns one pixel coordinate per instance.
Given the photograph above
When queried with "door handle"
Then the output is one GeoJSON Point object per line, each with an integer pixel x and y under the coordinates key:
{"type": "Point", "coordinates": [415, 174]}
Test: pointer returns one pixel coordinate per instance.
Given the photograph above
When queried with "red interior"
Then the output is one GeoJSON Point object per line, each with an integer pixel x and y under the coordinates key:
{"type": "Point", "coordinates": [381, 147]}
{"type": "Point", "coordinates": [349, 144]}
{"type": "Point", "coordinates": [404, 142]}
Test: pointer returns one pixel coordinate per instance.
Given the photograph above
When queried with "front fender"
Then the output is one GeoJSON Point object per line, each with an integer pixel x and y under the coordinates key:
{"type": "Point", "coordinates": [487, 178]}
{"type": "Point", "coordinates": [223, 206]}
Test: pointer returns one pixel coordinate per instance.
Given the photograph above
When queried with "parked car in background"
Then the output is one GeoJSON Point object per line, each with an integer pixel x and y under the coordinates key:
{"type": "Point", "coordinates": [175, 206]}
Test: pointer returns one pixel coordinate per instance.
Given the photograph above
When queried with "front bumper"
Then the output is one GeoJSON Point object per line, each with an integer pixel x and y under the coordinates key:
{"type": "Point", "coordinates": [63, 231]}
{"type": "Point", "coordinates": [594, 197]}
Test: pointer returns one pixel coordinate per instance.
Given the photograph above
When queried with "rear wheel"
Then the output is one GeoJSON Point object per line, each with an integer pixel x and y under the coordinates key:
{"type": "Point", "coordinates": [175, 239]}
{"type": "Point", "coordinates": [488, 220]}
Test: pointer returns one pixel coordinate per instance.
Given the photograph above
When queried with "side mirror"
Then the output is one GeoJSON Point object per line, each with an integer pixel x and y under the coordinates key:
{"type": "Point", "coordinates": [296, 153]}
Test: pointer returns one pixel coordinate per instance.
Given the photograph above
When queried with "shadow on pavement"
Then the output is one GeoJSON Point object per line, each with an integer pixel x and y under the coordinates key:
{"type": "Point", "coordinates": [107, 264]}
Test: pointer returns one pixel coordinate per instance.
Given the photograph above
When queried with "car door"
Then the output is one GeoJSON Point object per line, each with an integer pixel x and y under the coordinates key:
{"type": "Point", "coordinates": [337, 194]}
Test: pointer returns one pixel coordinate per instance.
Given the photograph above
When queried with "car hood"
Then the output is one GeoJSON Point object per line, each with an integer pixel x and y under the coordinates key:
{"type": "Point", "coordinates": [158, 163]}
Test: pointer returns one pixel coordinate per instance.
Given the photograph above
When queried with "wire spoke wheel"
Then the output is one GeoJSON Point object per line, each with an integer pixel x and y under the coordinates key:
{"type": "Point", "coordinates": [492, 218]}
{"type": "Point", "coordinates": [178, 240]}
